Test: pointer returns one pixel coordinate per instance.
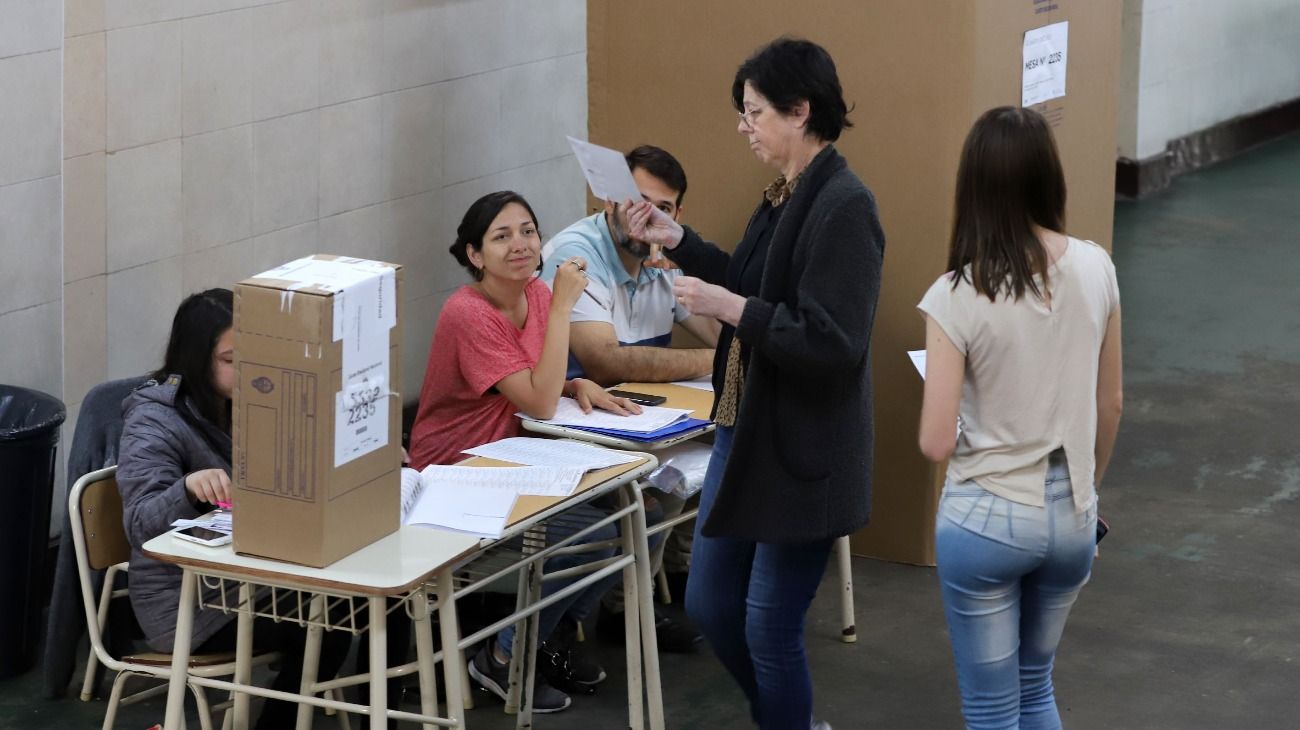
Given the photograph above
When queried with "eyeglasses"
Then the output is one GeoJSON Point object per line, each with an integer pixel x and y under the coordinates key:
{"type": "Point", "coordinates": [747, 117]}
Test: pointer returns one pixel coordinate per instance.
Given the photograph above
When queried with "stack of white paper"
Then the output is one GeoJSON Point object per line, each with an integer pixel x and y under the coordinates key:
{"type": "Point", "coordinates": [550, 452]}
{"type": "Point", "coordinates": [478, 500]}
{"type": "Point", "coordinates": [651, 418]}
{"type": "Point", "coordinates": [220, 521]}
{"type": "Point", "coordinates": [545, 481]}
{"type": "Point", "coordinates": [476, 511]}
{"type": "Point", "coordinates": [412, 487]}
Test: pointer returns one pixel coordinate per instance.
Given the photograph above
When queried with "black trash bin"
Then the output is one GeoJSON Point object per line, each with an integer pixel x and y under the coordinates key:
{"type": "Point", "coordinates": [29, 436]}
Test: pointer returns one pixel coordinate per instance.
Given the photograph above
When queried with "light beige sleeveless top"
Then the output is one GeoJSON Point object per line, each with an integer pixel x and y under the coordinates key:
{"type": "Point", "coordinates": [1031, 375]}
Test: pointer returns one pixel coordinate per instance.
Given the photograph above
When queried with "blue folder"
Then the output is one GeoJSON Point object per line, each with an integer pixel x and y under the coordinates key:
{"type": "Point", "coordinates": [671, 429]}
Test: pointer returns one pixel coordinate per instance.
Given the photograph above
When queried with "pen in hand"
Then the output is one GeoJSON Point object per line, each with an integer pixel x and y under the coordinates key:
{"type": "Point", "coordinates": [587, 290]}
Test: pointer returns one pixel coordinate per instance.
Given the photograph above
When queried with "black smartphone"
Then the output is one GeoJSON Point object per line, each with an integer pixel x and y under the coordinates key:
{"type": "Point", "coordinates": [643, 399]}
{"type": "Point", "coordinates": [1102, 528]}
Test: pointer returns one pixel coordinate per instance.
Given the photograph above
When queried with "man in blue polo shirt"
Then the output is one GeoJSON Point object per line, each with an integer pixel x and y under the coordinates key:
{"type": "Point", "coordinates": [621, 328]}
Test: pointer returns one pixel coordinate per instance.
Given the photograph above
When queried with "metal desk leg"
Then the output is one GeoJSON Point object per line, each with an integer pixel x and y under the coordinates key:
{"type": "Point", "coordinates": [378, 663]}
{"type": "Point", "coordinates": [453, 663]}
{"type": "Point", "coordinates": [424, 653]}
{"type": "Point", "coordinates": [529, 659]}
{"type": "Point", "coordinates": [518, 644]}
{"type": "Point", "coordinates": [632, 626]}
{"type": "Point", "coordinates": [645, 591]}
{"type": "Point", "coordinates": [310, 659]}
{"type": "Point", "coordinates": [243, 654]}
{"type": "Point", "coordinates": [175, 717]}
{"type": "Point", "coordinates": [848, 634]}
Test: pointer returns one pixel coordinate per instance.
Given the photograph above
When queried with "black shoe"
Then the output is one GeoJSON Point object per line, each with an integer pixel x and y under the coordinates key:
{"type": "Point", "coordinates": [495, 678]}
{"type": "Point", "coordinates": [676, 636]}
{"type": "Point", "coordinates": [564, 660]}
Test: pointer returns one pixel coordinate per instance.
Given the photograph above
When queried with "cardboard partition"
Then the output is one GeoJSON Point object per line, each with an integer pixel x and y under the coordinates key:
{"type": "Point", "coordinates": [316, 420]}
{"type": "Point", "coordinates": [917, 75]}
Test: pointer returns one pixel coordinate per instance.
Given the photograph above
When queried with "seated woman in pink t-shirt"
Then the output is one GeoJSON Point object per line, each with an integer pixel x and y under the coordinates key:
{"type": "Point", "coordinates": [493, 356]}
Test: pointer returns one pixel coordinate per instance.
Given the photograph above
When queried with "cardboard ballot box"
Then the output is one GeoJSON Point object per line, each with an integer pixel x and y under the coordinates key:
{"type": "Point", "coordinates": [317, 424]}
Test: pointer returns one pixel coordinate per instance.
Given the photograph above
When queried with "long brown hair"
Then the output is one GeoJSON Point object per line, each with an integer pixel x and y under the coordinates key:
{"type": "Point", "coordinates": [1010, 180]}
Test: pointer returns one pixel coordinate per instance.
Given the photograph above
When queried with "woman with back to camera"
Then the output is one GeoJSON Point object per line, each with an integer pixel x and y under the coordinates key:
{"type": "Point", "coordinates": [494, 355]}
{"type": "Point", "coordinates": [175, 463]}
{"type": "Point", "coordinates": [1023, 343]}
{"type": "Point", "coordinates": [791, 464]}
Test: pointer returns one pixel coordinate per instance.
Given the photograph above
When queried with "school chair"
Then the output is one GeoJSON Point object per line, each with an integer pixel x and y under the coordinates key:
{"type": "Point", "coordinates": [95, 509]}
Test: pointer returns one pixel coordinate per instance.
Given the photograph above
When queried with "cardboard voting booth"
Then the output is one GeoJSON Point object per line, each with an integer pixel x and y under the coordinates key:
{"type": "Point", "coordinates": [316, 421]}
{"type": "Point", "coordinates": [917, 75]}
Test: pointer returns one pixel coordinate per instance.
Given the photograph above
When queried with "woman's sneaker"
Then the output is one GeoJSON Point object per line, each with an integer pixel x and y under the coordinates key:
{"type": "Point", "coordinates": [580, 668]}
{"type": "Point", "coordinates": [494, 677]}
{"type": "Point", "coordinates": [568, 668]}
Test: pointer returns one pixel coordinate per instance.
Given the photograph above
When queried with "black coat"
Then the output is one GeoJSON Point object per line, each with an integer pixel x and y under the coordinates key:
{"type": "Point", "coordinates": [801, 457]}
{"type": "Point", "coordinates": [94, 446]}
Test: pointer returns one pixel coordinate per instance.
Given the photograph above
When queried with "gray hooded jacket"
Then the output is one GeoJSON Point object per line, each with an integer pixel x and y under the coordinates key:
{"type": "Point", "coordinates": [159, 448]}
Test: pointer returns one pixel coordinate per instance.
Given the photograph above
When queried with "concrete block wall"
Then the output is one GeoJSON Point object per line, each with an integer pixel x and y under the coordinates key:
{"type": "Point", "coordinates": [1191, 64]}
{"type": "Point", "coordinates": [207, 140]}
{"type": "Point", "coordinates": [31, 291]}
{"type": "Point", "coordinates": [31, 198]}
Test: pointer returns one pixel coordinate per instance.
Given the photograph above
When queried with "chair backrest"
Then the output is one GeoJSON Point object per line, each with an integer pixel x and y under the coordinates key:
{"type": "Point", "coordinates": [100, 507]}
{"type": "Point", "coordinates": [99, 539]}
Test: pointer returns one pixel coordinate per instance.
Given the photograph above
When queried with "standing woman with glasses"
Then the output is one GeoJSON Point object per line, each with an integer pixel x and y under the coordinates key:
{"type": "Point", "coordinates": [791, 464]}
{"type": "Point", "coordinates": [1023, 342]}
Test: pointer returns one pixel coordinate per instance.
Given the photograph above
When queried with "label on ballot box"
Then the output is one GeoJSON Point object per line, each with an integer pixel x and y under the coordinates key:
{"type": "Point", "coordinates": [317, 434]}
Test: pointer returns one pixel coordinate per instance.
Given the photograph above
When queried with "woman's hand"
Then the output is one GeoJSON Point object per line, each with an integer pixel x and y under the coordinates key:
{"type": "Point", "coordinates": [647, 223]}
{"type": "Point", "coordinates": [210, 486]}
{"type": "Point", "coordinates": [589, 395]}
{"type": "Point", "coordinates": [709, 300]}
{"type": "Point", "coordinates": [570, 280]}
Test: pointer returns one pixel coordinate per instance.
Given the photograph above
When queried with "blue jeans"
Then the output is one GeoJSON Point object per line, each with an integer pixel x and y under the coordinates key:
{"type": "Point", "coordinates": [1009, 574]}
{"type": "Point", "coordinates": [578, 605]}
{"type": "Point", "coordinates": [749, 599]}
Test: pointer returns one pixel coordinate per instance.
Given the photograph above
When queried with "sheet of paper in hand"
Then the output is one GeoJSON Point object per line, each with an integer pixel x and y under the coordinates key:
{"type": "Point", "coordinates": [606, 170]}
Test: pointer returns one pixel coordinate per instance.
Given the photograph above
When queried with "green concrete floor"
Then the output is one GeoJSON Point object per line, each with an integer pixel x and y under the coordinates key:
{"type": "Point", "coordinates": [1189, 621]}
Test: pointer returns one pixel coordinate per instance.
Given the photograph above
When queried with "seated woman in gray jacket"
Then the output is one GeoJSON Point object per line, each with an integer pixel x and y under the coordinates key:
{"type": "Point", "coordinates": [174, 463]}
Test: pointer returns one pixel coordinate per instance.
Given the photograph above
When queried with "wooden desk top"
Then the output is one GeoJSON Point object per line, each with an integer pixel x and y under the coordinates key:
{"type": "Point", "coordinates": [390, 566]}
{"type": "Point", "coordinates": [700, 402]}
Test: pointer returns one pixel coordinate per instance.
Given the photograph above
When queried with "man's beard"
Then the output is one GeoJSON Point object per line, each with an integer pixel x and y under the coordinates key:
{"type": "Point", "coordinates": [637, 248]}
